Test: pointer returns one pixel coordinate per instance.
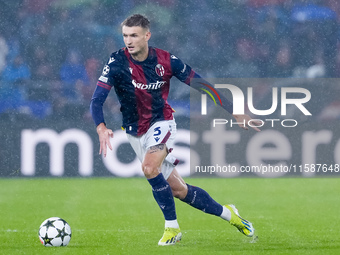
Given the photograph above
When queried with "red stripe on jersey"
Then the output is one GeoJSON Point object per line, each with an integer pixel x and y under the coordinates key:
{"type": "Point", "coordinates": [103, 85]}
{"type": "Point", "coordinates": [144, 99]}
{"type": "Point", "coordinates": [163, 58]}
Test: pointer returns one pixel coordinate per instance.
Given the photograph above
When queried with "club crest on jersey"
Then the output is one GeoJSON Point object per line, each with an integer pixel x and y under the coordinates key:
{"type": "Point", "coordinates": [159, 70]}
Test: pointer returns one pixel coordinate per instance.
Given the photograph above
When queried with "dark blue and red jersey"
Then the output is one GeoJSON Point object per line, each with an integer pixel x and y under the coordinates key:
{"type": "Point", "coordinates": [142, 87]}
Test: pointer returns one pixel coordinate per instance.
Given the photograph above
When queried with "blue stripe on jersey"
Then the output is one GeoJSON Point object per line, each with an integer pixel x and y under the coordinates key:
{"type": "Point", "coordinates": [129, 109]}
{"type": "Point", "coordinates": [127, 98]}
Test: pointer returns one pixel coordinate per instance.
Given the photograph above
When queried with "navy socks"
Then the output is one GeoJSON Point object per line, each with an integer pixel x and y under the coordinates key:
{"type": "Point", "coordinates": [196, 197]}
{"type": "Point", "coordinates": [201, 200]}
{"type": "Point", "coordinates": [163, 195]}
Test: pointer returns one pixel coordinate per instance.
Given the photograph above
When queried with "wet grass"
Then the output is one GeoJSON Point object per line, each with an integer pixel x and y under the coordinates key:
{"type": "Point", "coordinates": [119, 216]}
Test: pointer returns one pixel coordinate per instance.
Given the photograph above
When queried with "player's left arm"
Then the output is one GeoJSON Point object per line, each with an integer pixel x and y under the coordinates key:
{"type": "Point", "coordinates": [186, 74]}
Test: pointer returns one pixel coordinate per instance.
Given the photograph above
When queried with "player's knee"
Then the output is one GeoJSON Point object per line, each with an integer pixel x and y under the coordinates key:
{"type": "Point", "coordinates": [150, 171]}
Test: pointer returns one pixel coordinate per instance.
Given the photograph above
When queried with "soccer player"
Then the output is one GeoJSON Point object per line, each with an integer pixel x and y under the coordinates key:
{"type": "Point", "coordinates": [140, 76]}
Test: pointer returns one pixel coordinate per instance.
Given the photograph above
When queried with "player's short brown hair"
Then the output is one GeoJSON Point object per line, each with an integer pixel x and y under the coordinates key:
{"type": "Point", "coordinates": [136, 20]}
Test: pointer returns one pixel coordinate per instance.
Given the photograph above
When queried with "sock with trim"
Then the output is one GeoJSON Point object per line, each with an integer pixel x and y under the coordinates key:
{"type": "Point", "coordinates": [163, 195]}
{"type": "Point", "coordinates": [201, 200]}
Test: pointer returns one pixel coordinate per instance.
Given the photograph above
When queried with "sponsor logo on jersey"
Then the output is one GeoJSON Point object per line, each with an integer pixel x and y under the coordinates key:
{"type": "Point", "coordinates": [155, 85]}
{"type": "Point", "coordinates": [173, 57]}
{"type": "Point", "coordinates": [159, 70]}
{"type": "Point", "coordinates": [106, 70]}
{"type": "Point", "coordinates": [111, 60]}
{"type": "Point", "coordinates": [103, 79]}
{"type": "Point", "coordinates": [130, 70]}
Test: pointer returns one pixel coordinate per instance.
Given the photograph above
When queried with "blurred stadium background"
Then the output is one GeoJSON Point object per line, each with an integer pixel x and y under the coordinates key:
{"type": "Point", "coordinates": [52, 53]}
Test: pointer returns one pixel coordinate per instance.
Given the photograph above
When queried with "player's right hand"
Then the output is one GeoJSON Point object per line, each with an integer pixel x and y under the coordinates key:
{"type": "Point", "coordinates": [104, 138]}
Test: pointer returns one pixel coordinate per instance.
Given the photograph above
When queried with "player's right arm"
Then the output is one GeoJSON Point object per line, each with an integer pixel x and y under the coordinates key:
{"type": "Point", "coordinates": [103, 88]}
{"type": "Point", "coordinates": [96, 107]}
{"type": "Point", "coordinates": [104, 135]}
{"type": "Point", "coordinates": [185, 74]}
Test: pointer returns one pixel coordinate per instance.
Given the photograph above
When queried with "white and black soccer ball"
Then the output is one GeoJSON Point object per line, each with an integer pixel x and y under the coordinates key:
{"type": "Point", "coordinates": [55, 231]}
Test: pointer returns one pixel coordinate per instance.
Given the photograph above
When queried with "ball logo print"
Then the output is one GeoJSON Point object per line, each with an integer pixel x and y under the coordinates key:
{"type": "Point", "coordinates": [106, 70]}
{"type": "Point", "coordinates": [159, 70]}
{"type": "Point", "coordinates": [54, 232]}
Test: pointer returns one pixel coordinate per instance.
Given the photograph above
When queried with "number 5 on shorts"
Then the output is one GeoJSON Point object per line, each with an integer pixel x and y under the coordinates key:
{"type": "Point", "coordinates": [157, 131]}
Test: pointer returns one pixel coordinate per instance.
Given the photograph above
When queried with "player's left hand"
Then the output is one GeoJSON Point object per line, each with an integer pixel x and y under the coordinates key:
{"type": "Point", "coordinates": [244, 120]}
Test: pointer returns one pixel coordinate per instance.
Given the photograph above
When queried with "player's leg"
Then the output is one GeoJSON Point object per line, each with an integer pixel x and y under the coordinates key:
{"type": "Point", "coordinates": [152, 149]}
{"type": "Point", "coordinates": [200, 199]}
{"type": "Point", "coordinates": [196, 196]}
{"type": "Point", "coordinates": [162, 192]}
{"type": "Point", "coordinates": [160, 187]}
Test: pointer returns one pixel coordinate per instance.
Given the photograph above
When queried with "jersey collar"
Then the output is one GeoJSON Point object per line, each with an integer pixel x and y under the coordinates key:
{"type": "Point", "coordinates": [149, 59]}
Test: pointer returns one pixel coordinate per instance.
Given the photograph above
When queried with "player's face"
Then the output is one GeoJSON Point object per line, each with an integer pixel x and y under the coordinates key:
{"type": "Point", "coordinates": [136, 40]}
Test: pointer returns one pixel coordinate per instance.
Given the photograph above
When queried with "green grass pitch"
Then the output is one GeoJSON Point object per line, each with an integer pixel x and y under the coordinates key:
{"type": "Point", "coordinates": [119, 216]}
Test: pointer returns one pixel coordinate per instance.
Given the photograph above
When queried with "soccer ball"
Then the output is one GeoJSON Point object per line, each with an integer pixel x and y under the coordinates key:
{"type": "Point", "coordinates": [54, 232]}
